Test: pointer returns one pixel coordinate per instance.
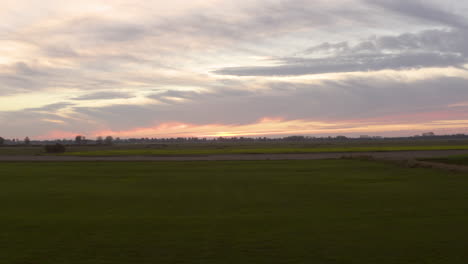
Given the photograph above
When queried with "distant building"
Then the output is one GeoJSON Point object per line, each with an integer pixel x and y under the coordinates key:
{"type": "Point", "coordinates": [365, 137]}
{"type": "Point", "coordinates": [428, 134]}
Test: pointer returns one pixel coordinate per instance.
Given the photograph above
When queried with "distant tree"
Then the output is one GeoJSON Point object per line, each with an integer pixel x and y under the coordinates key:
{"type": "Point", "coordinates": [27, 141]}
{"type": "Point", "coordinates": [99, 140]}
{"type": "Point", "coordinates": [79, 139]}
{"type": "Point", "coordinates": [109, 140]}
{"type": "Point", "coordinates": [2, 141]}
{"type": "Point", "coordinates": [57, 148]}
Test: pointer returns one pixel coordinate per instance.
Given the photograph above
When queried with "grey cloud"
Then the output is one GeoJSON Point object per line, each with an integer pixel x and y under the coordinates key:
{"type": "Point", "coordinates": [156, 42]}
{"type": "Point", "coordinates": [110, 73]}
{"type": "Point", "coordinates": [21, 77]}
{"type": "Point", "coordinates": [332, 100]}
{"type": "Point", "coordinates": [22, 68]}
{"type": "Point", "coordinates": [357, 63]}
{"type": "Point", "coordinates": [123, 116]}
{"type": "Point", "coordinates": [58, 51]}
{"type": "Point", "coordinates": [356, 98]}
{"type": "Point", "coordinates": [107, 95]}
{"type": "Point", "coordinates": [448, 41]}
{"type": "Point", "coordinates": [36, 122]}
{"type": "Point", "coordinates": [167, 96]}
{"type": "Point", "coordinates": [210, 27]}
{"type": "Point", "coordinates": [429, 48]}
{"type": "Point", "coordinates": [213, 93]}
{"type": "Point", "coordinates": [95, 28]}
{"type": "Point", "coordinates": [14, 84]}
{"type": "Point", "coordinates": [422, 10]}
{"type": "Point", "coordinates": [51, 107]}
{"type": "Point", "coordinates": [259, 21]}
{"type": "Point", "coordinates": [439, 41]}
{"type": "Point", "coordinates": [326, 47]}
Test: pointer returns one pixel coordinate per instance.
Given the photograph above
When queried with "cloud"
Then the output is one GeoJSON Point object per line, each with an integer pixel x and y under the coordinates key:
{"type": "Point", "coordinates": [434, 40]}
{"type": "Point", "coordinates": [351, 98]}
{"type": "Point", "coordinates": [357, 63]}
{"type": "Point", "coordinates": [57, 51]}
{"type": "Point", "coordinates": [25, 77]}
{"type": "Point", "coordinates": [217, 93]}
{"type": "Point", "coordinates": [51, 107]}
{"type": "Point", "coordinates": [429, 48]}
{"type": "Point", "coordinates": [387, 98]}
{"type": "Point", "coordinates": [422, 10]}
{"type": "Point", "coordinates": [106, 95]}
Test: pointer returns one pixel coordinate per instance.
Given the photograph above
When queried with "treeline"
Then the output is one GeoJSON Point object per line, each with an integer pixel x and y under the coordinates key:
{"type": "Point", "coordinates": [109, 140]}
{"type": "Point", "coordinates": [15, 141]}
{"type": "Point", "coordinates": [280, 139]}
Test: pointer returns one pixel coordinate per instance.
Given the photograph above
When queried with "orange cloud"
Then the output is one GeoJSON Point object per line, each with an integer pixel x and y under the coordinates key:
{"type": "Point", "coordinates": [278, 127]}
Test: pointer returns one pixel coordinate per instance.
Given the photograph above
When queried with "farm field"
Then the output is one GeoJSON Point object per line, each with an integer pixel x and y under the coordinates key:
{"type": "Point", "coordinates": [325, 211]}
{"type": "Point", "coordinates": [219, 148]}
{"type": "Point", "coordinates": [279, 150]}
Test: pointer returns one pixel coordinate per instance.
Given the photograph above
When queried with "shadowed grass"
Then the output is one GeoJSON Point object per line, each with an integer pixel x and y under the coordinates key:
{"type": "Point", "coordinates": [454, 160]}
{"type": "Point", "coordinates": [340, 211]}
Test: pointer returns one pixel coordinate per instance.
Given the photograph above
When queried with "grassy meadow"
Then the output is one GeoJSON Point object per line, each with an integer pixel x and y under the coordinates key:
{"type": "Point", "coordinates": [328, 212]}
{"type": "Point", "coordinates": [271, 150]}
{"type": "Point", "coordinates": [220, 148]}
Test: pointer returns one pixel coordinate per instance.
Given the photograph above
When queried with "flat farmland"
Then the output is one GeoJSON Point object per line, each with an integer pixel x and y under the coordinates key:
{"type": "Point", "coordinates": [229, 148]}
{"type": "Point", "coordinates": [322, 211]}
{"type": "Point", "coordinates": [240, 151]}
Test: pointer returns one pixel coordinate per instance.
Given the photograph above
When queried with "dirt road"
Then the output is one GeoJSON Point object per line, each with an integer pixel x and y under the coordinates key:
{"type": "Point", "coordinates": [395, 155]}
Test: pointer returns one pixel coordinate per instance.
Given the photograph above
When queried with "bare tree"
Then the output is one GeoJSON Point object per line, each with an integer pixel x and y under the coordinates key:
{"type": "Point", "coordinates": [80, 140]}
{"type": "Point", "coordinates": [2, 141]}
{"type": "Point", "coordinates": [27, 141]}
{"type": "Point", "coordinates": [99, 140]}
{"type": "Point", "coordinates": [109, 140]}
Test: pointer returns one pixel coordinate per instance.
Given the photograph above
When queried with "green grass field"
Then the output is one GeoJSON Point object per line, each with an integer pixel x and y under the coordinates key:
{"type": "Point", "coordinates": [454, 160]}
{"type": "Point", "coordinates": [327, 212]}
{"type": "Point", "coordinates": [269, 150]}
{"type": "Point", "coordinates": [216, 148]}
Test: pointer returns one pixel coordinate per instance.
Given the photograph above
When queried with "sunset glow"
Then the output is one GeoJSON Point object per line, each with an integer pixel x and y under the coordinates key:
{"type": "Point", "coordinates": [275, 128]}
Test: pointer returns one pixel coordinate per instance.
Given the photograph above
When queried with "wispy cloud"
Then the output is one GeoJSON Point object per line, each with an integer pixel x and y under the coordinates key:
{"type": "Point", "coordinates": [429, 48]}
{"type": "Point", "coordinates": [106, 95]}
{"type": "Point", "coordinates": [423, 10]}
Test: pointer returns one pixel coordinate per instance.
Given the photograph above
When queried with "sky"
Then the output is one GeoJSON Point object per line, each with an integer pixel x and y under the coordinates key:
{"type": "Point", "coordinates": [210, 68]}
